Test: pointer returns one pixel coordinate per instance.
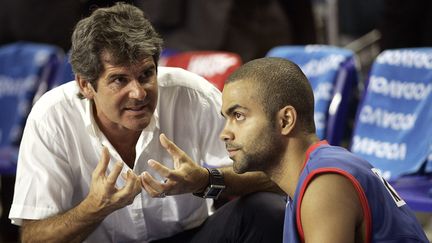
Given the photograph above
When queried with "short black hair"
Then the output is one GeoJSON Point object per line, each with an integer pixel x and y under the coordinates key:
{"type": "Point", "coordinates": [279, 82]}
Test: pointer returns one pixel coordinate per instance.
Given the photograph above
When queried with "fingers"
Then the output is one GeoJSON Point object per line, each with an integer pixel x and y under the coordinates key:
{"type": "Point", "coordinates": [101, 167]}
{"type": "Point", "coordinates": [115, 172]}
{"type": "Point", "coordinates": [159, 168]}
{"type": "Point", "coordinates": [170, 147]}
{"type": "Point", "coordinates": [163, 170]}
{"type": "Point", "coordinates": [152, 186]}
{"type": "Point", "coordinates": [133, 184]}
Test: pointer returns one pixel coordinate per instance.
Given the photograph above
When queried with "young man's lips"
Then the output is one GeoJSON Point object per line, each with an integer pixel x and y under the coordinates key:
{"type": "Point", "coordinates": [232, 152]}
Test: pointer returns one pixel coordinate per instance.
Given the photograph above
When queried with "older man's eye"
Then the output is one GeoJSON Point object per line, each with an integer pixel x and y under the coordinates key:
{"type": "Point", "coordinates": [120, 80]}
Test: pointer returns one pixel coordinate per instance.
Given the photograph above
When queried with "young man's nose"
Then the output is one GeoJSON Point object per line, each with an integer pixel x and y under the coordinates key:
{"type": "Point", "coordinates": [226, 135]}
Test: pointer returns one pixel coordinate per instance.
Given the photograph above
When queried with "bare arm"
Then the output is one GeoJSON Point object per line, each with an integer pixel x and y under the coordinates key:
{"type": "Point", "coordinates": [241, 184]}
{"type": "Point", "coordinates": [331, 211]}
{"type": "Point", "coordinates": [78, 223]}
{"type": "Point", "coordinates": [75, 225]}
{"type": "Point", "coordinates": [188, 176]}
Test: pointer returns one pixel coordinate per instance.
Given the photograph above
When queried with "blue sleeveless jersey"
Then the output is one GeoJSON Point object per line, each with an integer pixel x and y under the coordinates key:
{"type": "Point", "coordinates": [387, 217]}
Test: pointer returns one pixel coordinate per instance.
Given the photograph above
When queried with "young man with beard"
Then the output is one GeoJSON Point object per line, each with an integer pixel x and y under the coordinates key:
{"type": "Point", "coordinates": [90, 145]}
{"type": "Point", "coordinates": [334, 196]}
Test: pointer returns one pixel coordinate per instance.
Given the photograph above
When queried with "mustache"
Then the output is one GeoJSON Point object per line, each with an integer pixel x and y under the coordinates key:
{"type": "Point", "coordinates": [232, 146]}
{"type": "Point", "coordinates": [135, 103]}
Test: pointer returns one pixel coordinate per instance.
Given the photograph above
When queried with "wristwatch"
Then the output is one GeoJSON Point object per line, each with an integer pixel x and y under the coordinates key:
{"type": "Point", "coordinates": [215, 186]}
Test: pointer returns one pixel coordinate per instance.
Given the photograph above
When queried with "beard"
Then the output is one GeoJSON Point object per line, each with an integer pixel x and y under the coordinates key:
{"type": "Point", "coordinates": [263, 153]}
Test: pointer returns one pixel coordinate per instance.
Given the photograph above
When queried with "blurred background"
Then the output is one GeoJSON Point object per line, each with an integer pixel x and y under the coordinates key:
{"type": "Point", "coordinates": [247, 28]}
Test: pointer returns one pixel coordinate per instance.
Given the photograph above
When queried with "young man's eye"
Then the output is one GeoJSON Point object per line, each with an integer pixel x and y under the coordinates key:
{"type": "Point", "coordinates": [239, 116]}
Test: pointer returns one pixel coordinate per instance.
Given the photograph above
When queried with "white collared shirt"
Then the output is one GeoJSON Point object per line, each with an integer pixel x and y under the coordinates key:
{"type": "Point", "coordinates": [62, 144]}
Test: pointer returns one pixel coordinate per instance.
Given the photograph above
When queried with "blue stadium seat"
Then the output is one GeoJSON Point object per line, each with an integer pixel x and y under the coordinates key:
{"type": "Point", "coordinates": [26, 71]}
{"type": "Point", "coordinates": [64, 72]}
{"type": "Point", "coordinates": [333, 75]}
{"type": "Point", "coordinates": [393, 128]}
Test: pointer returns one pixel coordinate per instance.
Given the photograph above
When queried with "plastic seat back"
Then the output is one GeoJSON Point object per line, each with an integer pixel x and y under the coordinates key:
{"type": "Point", "coordinates": [393, 128]}
{"type": "Point", "coordinates": [64, 72]}
{"type": "Point", "coordinates": [26, 71]}
{"type": "Point", "coordinates": [215, 66]}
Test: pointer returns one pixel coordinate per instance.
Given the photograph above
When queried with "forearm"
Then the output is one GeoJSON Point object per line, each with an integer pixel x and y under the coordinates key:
{"type": "Point", "coordinates": [241, 184]}
{"type": "Point", "coordinates": [79, 222]}
{"type": "Point", "coordinates": [74, 225]}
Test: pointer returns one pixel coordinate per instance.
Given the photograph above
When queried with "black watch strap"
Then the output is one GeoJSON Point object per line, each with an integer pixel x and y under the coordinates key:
{"type": "Point", "coordinates": [215, 186]}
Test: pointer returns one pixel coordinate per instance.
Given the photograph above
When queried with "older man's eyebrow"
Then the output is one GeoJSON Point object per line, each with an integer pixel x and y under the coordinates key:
{"type": "Point", "coordinates": [116, 76]}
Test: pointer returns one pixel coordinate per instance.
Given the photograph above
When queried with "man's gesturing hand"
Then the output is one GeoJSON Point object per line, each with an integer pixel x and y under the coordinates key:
{"type": "Point", "coordinates": [104, 197]}
{"type": "Point", "coordinates": [186, 177]}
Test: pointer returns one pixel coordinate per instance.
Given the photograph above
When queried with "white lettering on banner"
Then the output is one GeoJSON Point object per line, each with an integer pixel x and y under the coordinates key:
{"type": "Point", "coordinates": [319, 119]}
{"type": "Point", "coordinates": [318, 67]}
{"type": "Point", "coordinates": [406, 58]}
{"type": "Point", "coordinates": [323, 91]}
{"type": "Point", "coordinates": [211, 65]}
{"type": "Point", "coordinates": [387, 119]}
{"type": "Point", "coordinates": [41, 57]}
{"type": "Point", "coordinates": [379, 149]}
{"type": "Point", "coordinates": [13, 87]}
{"type": "Point", "coordinates": [399, 89]}
{"type": "Point", "coordinates": [317, 48]}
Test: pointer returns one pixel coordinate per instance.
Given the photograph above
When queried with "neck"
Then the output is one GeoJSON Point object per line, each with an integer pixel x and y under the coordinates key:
{"type": "Point", "coordinates": [287, 172]}
{"type": "Point", "coordinates": [122, 139]}
{"type": "Point", "coordinates": [124, 143]}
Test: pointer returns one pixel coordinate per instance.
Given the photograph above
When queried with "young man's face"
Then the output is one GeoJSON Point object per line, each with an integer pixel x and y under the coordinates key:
{"type": "Point", "coordinates": [249, 135]}
{"type": "Point", "coordinates": [126, 96]}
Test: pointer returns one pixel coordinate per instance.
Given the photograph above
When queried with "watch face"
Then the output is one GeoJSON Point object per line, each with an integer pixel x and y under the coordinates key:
{"type": "Point", "coordinates": [214, 192]}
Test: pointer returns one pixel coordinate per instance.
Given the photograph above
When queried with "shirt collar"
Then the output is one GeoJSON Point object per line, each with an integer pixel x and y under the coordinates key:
{"type": "Point", "coordinates": [89, 121]}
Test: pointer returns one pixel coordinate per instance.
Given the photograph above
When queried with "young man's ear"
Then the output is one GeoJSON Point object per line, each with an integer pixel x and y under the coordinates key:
{"type": "Point", "coordinates": [287, 117]}
{"type": "Point", "coordinates": [85, 87]}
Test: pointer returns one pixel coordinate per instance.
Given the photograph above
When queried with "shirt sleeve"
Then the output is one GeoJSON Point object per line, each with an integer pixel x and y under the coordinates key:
{"type": "Point", "coordinates": [211, 124]}
{"type": "Point", "coordinates": [43, 184]}
{"type": "Point", "coordinates": [189, 114]}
